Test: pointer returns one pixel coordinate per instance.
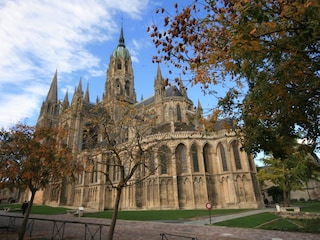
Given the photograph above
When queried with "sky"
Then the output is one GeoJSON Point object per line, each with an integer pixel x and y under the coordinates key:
{"type": "Point", "coordinates": [74, 38]}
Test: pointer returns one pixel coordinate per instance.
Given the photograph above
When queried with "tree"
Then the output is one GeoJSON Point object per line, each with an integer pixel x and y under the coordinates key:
{"type": "Point", "coordinates": [290, 174]}
{"type": "Point", "coordinates": [116, 147]}
{"type": "Point", "coordinates": [31, 158]}
{"type": "Point", "coordinates": [269, 46]}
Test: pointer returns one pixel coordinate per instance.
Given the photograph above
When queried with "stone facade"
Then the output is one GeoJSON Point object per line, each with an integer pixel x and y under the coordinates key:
{"type": "Point", "coordinates": [201, 167]}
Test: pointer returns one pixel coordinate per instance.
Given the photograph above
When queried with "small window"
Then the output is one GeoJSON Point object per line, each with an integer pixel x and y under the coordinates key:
{"type": "Point", "coordinates": [206, 157]}
{"type": "Point", "coordinates": [223, 158]}
{"type": "Point", "coordinates": [194, 154]}
{"type": "Point", "coordinates": [163, 154]}
{"type": "Point", "coordinates": [236, 155]}
{"type": "Point", "coordinates": [181, 159]}
{"type": "Point", "coordinates": [178, 113]}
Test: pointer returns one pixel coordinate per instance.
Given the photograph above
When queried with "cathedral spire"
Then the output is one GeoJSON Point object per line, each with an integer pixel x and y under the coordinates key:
{"type": "Point", "coordinates": [65, 103]}
{"type": "Point", "coordinates": [121, 38]}
{"type": "Point", "coordinates": [182, 87]}
{"type": "Point", "coordinates": [79, 89]}
{"type": "Point", "coordinates": [53, 91]}
{"type": "Point", "coordinates": [86, 96]}
{"type": "Point", "coordinates": [78, 94]}
{"type": "Point", "coordinates": [50, 107]}
{"type": "Point", "coordinates": [159, 85]}
{"type": "Point", "coordinates": [159, 81]}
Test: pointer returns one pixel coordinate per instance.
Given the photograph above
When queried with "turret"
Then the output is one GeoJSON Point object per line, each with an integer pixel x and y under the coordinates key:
{"type": "Point", "coordinates": [86, 96]}
{"type": "Point", "coordinates": [65, 103]}
{"type": "Point", "coordinates": [78, 95]}
{"type": "Point", "coordinates": [159, 86]}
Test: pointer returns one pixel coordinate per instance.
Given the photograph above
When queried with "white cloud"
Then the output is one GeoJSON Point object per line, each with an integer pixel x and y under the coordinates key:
{"type": "Point", "coordinates": [38, 37]}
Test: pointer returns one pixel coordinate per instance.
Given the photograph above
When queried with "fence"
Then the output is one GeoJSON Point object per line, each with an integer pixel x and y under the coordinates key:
{"type": "Point", "coordinates": [92, 231]}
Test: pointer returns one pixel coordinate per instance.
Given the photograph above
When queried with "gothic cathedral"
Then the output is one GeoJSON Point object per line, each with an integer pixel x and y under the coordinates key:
{"type": "Point", "coordinates": [203, 167]}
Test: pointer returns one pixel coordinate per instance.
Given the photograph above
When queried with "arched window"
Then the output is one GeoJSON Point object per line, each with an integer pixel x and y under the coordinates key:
{"type": "Point", "coordinates": [118, 87]}
{"type": "Point", "coordinates": [166, 113]}
{"type": "Point", "coordinates": [178, 113]}
{"type": "Point", "coordinates": [119, 64]}
{"type": "Point", "coordinates": [194, 154]}
{"type": "Point", "coordinates": [236, 154]}
{"type": "Point", "coordinates": [152, 166]}
{"type": "Point", "coordinates": [223, 158]}
{"type": "Point", "coordinates": [181, 158]}
{"type": "Point", "coordinates": [127, 88]}
{"type": "Point", "coordinates": [163, 154]}
{"type": "Point", "coordinates": [206, 157]}
{"type": "Point", "coordinates": [94, 174]}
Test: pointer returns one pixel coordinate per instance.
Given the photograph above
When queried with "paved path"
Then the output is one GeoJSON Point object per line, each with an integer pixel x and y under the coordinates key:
{"type": "Point", "coordinates": [137, 230]}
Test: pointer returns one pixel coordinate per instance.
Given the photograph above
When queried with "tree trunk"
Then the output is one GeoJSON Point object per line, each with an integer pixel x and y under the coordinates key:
{"type": "Point", "coordinates": [309, 197]}
{"type": "Point", "coordinates": [26, 216]}
{"type": "Point", "coordinates": [286, 198]}
{"type": "Point", "coordinates": [115, 213]}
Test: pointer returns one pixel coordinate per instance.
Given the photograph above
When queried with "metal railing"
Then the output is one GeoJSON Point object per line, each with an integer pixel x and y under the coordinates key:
{"type": "Point", "coordinates": [91, 230]}
{"type": "Point", "coordinates": [164, 236]}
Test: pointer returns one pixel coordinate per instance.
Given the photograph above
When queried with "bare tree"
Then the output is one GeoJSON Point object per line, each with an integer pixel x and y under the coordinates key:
{"type": "Point", "coordinates": [117, 147]}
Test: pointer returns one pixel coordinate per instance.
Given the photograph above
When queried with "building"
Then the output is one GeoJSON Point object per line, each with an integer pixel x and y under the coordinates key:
{"type": "Point", "coordinates": [203, 167]}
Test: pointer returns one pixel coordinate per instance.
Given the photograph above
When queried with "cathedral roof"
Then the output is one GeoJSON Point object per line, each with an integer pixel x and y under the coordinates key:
{"type": "Point", "coordinates": [171, 91]}
{"type": "Point", "coordinates": [121, 50]}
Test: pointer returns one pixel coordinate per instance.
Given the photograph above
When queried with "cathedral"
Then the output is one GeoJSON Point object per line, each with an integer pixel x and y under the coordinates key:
{"type": "Point", "coordinates": [201, 168]}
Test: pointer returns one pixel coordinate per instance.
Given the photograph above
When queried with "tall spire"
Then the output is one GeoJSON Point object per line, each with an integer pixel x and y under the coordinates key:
{"type": "Point", "coordinates": [53, 91]}
{"type": "Point", "coordinates": [121, 38]}
{"type": "Point", "coordinates": [50, 107]}
{"type": "Point", "coordinates": [182, 87]}
{"type": "Point", "coordinates": [159, 85]}
{"type": "Point", "coordinates": [79, 90]}
{"type": "Point", "coordinates": [86, 96]}
{"type": "Point", "coordinates": [65, 103]}
{"type": "Point", "coordinates": [159, 81]}
{"type": "Point", "coordinates": [159, 74]}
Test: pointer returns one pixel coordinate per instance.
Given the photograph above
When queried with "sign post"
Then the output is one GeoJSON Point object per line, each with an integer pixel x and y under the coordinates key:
{"type": "Point", "coordinates": [209, 207]}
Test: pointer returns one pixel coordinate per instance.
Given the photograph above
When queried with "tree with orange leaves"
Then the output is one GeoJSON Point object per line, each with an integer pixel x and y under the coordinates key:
{"type": "Point", "coordinates": [31, 158]}
{"type": "Point", "coordinates": [269, 46]}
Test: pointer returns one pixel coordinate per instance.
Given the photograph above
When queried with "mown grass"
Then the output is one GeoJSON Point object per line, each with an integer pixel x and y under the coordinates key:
{"type": "Point", "coordinates": [248, 222]}
{"type": "Point", "coordinates": [307, 206]}
{"type": "Point", "coordinates": [270, 221]}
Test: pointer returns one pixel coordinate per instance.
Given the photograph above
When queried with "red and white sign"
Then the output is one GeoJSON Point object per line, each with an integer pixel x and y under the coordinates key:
{"type": "Point", "coordinates": [209, 205]}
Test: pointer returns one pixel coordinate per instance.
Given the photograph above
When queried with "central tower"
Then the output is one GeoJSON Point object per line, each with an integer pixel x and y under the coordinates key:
{"type": "Point", "coordinates": [120, 80]}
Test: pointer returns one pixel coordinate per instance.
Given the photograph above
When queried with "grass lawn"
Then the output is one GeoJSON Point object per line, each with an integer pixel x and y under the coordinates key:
{"type": "Point", "coordinates": [270, 221]}
{"type": "Point", "coordinates": [307, 206]}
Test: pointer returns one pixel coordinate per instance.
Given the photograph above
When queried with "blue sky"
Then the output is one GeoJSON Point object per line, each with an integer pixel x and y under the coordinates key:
{"type": "Point", "coordinates": [76, 38]}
